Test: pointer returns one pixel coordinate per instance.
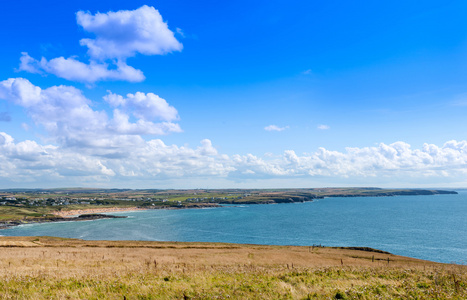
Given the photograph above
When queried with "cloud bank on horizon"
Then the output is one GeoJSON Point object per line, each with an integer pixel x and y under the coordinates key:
{"type": "Point", "coordinates": [118, 142]}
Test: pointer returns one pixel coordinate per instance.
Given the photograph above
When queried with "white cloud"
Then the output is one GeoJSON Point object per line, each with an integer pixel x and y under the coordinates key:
{"type": "Point", "coordinates": [124, 33]}
{"type": "Point", "coordinates": [307, 72]}
{"type": "Point", "coordinates": [275, 128]}
{"type": "Point", "coordinates": [74, 70]}
{"type": "Point", "coordinates": [323, 127]}
{"type": "Point", "coordinates": [147, 161]}
{"type": "Point", "coordinates": [29, 64]}
{"type": "Point", "coordinates": [119, 35]}
{"type": "Point", "coordinates": [144, 106]}
{"type": "Point", "coordinates": [180, 32]}
{"type": "Point", "coordinates": [29, 161]}
{"type": "Point", "coordinates": [69, 120]}
{"type": "Point", "coordinates": [397, 159]}
{"type": "Point", "coordinates": [120, 124]}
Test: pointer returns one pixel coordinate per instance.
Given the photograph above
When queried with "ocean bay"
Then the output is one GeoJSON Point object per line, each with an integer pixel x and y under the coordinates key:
{"type": "Point", "coordinates": [425, 227]}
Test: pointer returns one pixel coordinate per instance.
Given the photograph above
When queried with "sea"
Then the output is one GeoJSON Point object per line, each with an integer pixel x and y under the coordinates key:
{"type": "Point", "coordinates": [426, 227]}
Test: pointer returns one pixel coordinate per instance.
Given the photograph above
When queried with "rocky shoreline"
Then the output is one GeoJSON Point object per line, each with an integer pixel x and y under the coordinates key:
{"type": "Point", "coordinates": [90, 214]}
{"type": "Point", "coordinates": [101, 213]}
{"type": "Point", "coordinates": [306, 197]}
{"type": "Point", "coordinates": [84, 217]}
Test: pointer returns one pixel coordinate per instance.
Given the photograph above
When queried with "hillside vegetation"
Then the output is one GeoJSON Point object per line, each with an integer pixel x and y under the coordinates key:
{"type": "Point", "coordinates": [55, 268]}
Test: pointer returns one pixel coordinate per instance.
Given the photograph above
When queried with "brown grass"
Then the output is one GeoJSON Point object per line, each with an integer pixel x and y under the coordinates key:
{"type": "Point", "coordinates": [56, 268]}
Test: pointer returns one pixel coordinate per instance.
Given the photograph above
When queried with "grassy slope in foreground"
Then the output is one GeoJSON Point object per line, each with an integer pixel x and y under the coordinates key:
{"type": "Point", "coordinates": [45, 268]}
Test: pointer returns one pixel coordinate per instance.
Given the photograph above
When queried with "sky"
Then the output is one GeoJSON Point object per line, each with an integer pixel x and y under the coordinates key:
{"type": "Point", "coordinates": [233, 94]}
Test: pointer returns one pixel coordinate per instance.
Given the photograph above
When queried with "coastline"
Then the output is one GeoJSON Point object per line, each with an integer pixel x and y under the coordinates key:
{"type": "Point", "coordinates": [91, 214]}
{"type": "Point", "coordinates": [39, 228]}
{"type": "Point", "coordinates": [84, 217]}
{"type": "Point", "coordinates": [77, 212]}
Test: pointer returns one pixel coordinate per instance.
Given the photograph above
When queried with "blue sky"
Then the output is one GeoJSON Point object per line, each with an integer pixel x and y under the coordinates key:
{"type": "Point", "coordinates": [184, 94]}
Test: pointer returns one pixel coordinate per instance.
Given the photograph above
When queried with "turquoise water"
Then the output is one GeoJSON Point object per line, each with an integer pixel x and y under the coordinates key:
{"type": "Point", "coordinates": [426, 227]}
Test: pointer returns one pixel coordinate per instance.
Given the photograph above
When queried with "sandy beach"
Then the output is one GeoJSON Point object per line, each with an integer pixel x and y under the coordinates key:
{"type": "Point", "coordinates": [71, 213]}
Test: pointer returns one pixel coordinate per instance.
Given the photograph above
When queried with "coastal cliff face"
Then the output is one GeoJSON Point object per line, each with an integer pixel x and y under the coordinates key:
{"type": "Point", "coordinates": [396, 193]}
{"type": "Point", "coordinates": [26, 207]}
{"type": "Point", "coordinates": [310, 196]}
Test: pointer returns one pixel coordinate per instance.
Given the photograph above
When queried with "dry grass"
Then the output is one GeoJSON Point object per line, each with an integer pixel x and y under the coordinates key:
{"type": "Point", "coordinates": [55, 268]}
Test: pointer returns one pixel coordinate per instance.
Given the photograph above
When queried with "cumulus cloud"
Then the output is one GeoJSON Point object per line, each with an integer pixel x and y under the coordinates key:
{"type": "Point", "coordinates": [120, 124]}
{"type": "Point", "coordinates": [323, 127]}
{"type": "Point", "coordinates": [147, 160]}
{"type": "Point", "coordinates": [385, 160]}
{"type": "Point", "coordinates": [124, 33]}
{"type": "Point", "coordinates": [29, 64]}
{"type": "Point", "coordinates": [275, 128]}
{"type": "Point", "coordinates": [118, 35]}
{"type": "Point", "coordinates": [144, 106]}
{"type": "Point", "coordinates": [31, 162]}
{"type": "Point", "coordinates": [74, 70]}
{"type": "Point", "coordinates": [68, 118]}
